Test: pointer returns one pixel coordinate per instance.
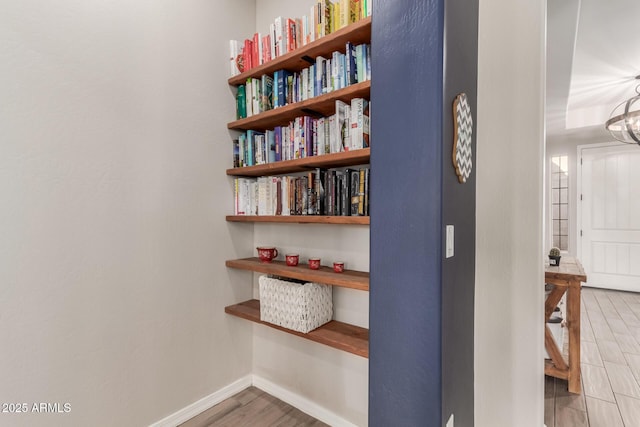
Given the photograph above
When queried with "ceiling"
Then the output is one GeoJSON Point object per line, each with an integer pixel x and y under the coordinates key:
{"type": "Point", "coordinates": [593, 56]}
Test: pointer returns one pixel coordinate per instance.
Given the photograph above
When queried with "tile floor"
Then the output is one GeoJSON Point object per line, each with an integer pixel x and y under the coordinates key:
{"type": "Point", "coordinates": [610, 361]}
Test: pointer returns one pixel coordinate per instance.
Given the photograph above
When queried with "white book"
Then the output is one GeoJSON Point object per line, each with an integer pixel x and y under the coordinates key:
{"type": "Point", "coordinates": [285, 196]}
{"type": "Point", "coordinates": [274, 194]}
{"type": "Point", "coordinates": [248, 96]}
{"type": "Point", "coordinates": [339, 130]}
{"type": "Point", "coordinates": [255, 95]}
{"type": "Point", "coordinates": [320, 138]}
{"type": "Point", "coordinates": [272, 40]}
{"type": "Point", "coordinates": [312, 23]}
{"type": "Point", "coordinates": [234, 52]}
{"type": "Point", "coordinates": [279, 46]}
{"type": "Point", "coordinates": [260, 50]}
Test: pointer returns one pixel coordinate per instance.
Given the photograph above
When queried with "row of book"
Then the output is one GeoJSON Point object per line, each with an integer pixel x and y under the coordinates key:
{"type": "Point", "coordinates": [324, 76]}
{"type": "Point", "coordinates": [348, 129]}
{"type": "Point", "coordinates": [330, 192]}
{"type": "Point", "coordinates": [287, 34]}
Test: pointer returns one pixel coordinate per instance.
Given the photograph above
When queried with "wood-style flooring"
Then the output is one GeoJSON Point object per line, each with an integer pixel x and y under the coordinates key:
{"type": "Point", "coordinates": [610, 362]}
{"type": "Point", "coordinates": [255, 408]}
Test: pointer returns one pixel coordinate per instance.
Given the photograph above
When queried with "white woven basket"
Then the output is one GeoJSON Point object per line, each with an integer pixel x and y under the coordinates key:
{"type": "Point", "coordinates": [300, 307]}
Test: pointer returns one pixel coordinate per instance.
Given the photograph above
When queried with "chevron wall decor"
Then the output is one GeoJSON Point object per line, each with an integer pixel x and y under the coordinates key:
{"type": "Point", "coordinates": [462, 132]}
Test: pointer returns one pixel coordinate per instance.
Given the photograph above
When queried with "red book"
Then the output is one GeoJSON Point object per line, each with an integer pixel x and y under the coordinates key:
{"type": "Point", "coordinates": [255, 57]}
{"type": "Point", "coordinates": [247, 54]}
{"type": "Point", "coordinates": [291, 34]}
{"type": "Point", "coordinates": [266, 48]}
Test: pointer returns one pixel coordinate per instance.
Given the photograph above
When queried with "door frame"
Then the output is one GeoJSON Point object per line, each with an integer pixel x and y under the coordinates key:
{"type": "Point", "coordinates": [579, 187]}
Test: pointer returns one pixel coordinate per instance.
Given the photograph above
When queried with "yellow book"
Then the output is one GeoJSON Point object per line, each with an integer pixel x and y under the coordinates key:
{"type": "Point", "coordinates": [333, 21]}
{"type": "Point", "coordinates": [354, 11]}
{"type": "Point", "coordinates": [344, 13]}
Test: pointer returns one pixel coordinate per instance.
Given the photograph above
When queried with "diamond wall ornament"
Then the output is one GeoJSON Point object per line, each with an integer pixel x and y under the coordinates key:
{"type": "Point", "coordinates": [462, 135]}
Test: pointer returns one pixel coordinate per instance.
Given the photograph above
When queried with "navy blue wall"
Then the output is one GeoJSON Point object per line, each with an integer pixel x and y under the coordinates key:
{"type": "Point", "coordinates": [406, 214]}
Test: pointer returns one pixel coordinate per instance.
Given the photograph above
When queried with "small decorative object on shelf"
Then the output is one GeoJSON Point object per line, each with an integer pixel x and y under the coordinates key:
{"type": "Point", "coordinates": [338, 266]}
{"type": "Point", "coordinates": [266, 254]}
{"type": "Point", "coordinates": [314, 263]}
{"type": "Point", "coordinates": [291, 259]}
{"type": "Point", "coordinates": [296, 306]}
{"type": "Point", "coordinates": [554, 257]}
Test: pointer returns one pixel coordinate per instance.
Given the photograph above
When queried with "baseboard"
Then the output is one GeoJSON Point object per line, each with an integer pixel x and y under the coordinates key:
{"type": "Point", "coordinates": [205, 403]}
{"type": "Point", "coordinates": [302, 403]}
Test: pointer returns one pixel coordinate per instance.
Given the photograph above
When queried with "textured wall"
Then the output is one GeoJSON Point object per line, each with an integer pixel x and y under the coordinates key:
{"type": "Point", "coordinates": [509, 267]}
{"type": "Point", "coordinates": [406, 157]}
{"type": "Point", "coordinates": [113, 243]}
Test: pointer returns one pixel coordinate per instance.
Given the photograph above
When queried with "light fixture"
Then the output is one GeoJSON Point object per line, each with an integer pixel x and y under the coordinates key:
{"type": "Point", "coordinates": [624, 123]}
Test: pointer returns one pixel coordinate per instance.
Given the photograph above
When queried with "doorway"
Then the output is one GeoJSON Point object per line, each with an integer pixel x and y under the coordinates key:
{"type": "Point", "coordinates": [609, 216]}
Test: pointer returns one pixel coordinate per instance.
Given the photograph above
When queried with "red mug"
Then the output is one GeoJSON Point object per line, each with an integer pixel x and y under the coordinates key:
{"type": "Point", "coordinates": [338, 266]}
{"type": "Point", "coordinates": [314, 263]}
{"type": "Point", "coordinates": [291, 259]}
{"type": "Point", "coordinates": [266, 254]}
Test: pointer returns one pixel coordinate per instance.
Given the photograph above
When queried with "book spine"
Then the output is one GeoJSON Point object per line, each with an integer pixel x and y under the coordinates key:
{"type": "Point", "coordinates": [355, 188]}
{"type": "Point", "coordinates": [361, 193]}
{"type": "Point", "coordinates": [236, 153]}
{"type": "Point", "coordinates": [249, 97]}
{"type": "Point", "coordinates": [272, 41]}
{"type": "Point", "coordinates": [241, 102]}
{"type": "Point", "coordinates": [291, 35]}
{"type": "Point", "coordinates": [279, 51]}
{"type": "Point", "coordinates": [246, 54]}
{"type": "Point", "coordinates": [255, 52]}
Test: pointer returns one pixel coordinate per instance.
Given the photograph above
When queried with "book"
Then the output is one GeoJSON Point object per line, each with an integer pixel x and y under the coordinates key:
{"type": "Point", "coordinates": [340, 133]}
{"type": "Point", "coordinates": [249, 98]}
{"type": "Point", "coordinates": [359, 123]}
{"type": "Point", "coordinates": [266, 49]}
{"type": "Point", "coordinates": [236, 61]}
{"type": "Point", "coordinates": [247, 51]}
{"type": "Point", "coordinates": [266, 93]}
{"type": "Point", "coordinates": [236, 153]}
{"type": "Point", "coordinates": [361, 192]}
{"type": "Point", "coordinates": [290, 35]}
{"type": "Point", "coordinates": [241, 102]}
{"type": "Point", "coordinates": [350, 62]}
{"type": "Point", "coordinates": [354, 191]}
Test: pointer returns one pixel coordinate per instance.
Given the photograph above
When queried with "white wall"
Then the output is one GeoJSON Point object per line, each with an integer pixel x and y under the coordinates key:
{"type": "Point", "coordinates": [509, 266]}
{"type": "Point", "coordinates": [113, 146]}
{"type": "Point", "coordinates": [333, 379]}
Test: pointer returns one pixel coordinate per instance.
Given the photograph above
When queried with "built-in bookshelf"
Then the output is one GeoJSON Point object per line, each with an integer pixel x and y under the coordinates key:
{"type": "Point", "coordinates": [343, 336]}
{"type": "Point", "coordinates": [346, 158]}
{"type": "Point", "coordinates": [323, 105]}
{"type": "Point", "coordinates": [301, 219]}
{"type": "Point", "coordinates": [339, 335]}
{"type": "Point", "coordinates": [348, 279]}
{"type": "Point", "coordinates": [356, 33]}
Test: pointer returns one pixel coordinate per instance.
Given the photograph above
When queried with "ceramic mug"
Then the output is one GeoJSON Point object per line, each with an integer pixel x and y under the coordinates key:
{"type": "Point", "coordinates": [338, 266]}
{"type": "Point", "coordinates": [314, 263]}
{"type": "Point", "coordinates": [291, 259]}
{"type": "Point", "coordinates": [266, 254]}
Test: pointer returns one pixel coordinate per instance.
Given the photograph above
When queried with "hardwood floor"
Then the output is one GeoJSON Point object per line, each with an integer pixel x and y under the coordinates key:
{"type": "Point", "coordinates": [255, 408]}
{"type": "Point", "coordinates": [610, 362]}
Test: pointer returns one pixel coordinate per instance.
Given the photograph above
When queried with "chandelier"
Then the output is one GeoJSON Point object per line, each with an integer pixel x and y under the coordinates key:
{"type": "Point", "coordinates": [624, 123]}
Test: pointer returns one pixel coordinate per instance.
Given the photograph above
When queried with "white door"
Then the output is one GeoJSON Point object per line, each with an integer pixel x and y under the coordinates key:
{"type": "Point", "coordinates": [610, 214]}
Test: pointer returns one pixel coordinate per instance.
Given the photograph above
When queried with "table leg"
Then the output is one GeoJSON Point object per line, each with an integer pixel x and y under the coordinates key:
{"type": "Point", "coordinates": [573, 324]}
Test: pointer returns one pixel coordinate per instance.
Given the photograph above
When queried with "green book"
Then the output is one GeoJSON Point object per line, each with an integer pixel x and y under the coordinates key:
{"type": "Point", "coordinates": [241, 103]}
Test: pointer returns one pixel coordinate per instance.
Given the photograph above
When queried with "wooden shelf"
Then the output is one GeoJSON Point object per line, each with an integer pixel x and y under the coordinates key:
{"type": "Point", "coordinates": [320, 106]}
{"type": "Point", "coordinates": [343, 336]}
{"type": "Point", "coordinates": [356, 33]}
{"type": "Point", "coordinates": [348, 279]}
{"type": "Point", "coordinates": [346, 158]}
{"type": "Point", "coordinates": [301, 219]}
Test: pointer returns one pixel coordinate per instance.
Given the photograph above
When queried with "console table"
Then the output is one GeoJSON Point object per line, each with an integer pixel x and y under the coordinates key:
{"type": "Point", "coordinates": [566, 278]}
